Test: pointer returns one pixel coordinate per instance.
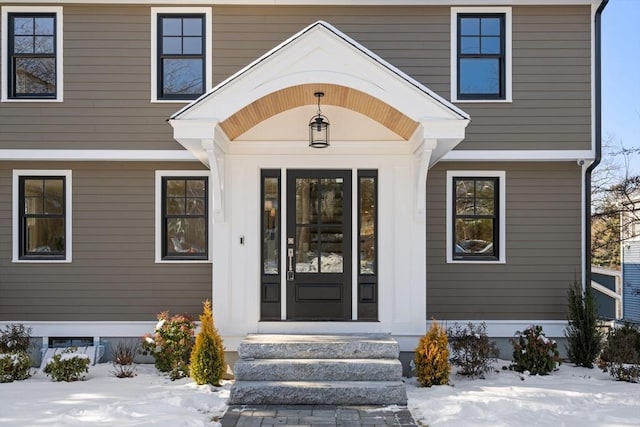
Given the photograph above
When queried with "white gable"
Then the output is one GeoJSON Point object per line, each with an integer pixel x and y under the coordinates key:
{"type": "Point", "coordinates": [321, 54]}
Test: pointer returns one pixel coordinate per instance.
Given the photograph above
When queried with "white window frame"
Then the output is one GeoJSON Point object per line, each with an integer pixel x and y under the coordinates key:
{"type": "Point", "coordinates": [68, 250]}
{"type": "Point", "coordinates": [455, 11]}
{"type": "Point", "coordinates": [208, 54]}
{"type": "Point", "coordinates": [4, 42]}
{"type": "Point", "coordinates": [188, 173]}
{"type": "Point", "coordinates": [502, 203]}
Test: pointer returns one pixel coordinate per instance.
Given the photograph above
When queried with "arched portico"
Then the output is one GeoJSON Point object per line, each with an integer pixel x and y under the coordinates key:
{"type": "Point", "coordinates": [307, 235]}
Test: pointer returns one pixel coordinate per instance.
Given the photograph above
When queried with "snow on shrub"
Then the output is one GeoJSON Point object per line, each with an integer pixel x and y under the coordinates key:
{"type": "Point", "coordinates": [15, 362]}
{"type": "Point", "coordinates": [171, 344]}
{"type": "Point", "coordinates": [15, 338]}
{"type": "Point", "coordinates": [432, 357]}
{"type": "Point", "coordinates": [68, 365]}
{"type": "Point", "coordinates": [14, 366]}
{"type": "Point", "coordinates": [471, 349]}
{"type": "Point", "coordinates": [533, 352]}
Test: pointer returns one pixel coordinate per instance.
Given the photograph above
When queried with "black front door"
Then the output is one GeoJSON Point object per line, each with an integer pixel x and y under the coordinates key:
{"type": "Point", "coordinates": [318, 245]}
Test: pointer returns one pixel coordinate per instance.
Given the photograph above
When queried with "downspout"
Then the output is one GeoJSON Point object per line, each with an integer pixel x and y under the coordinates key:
{"type": "Point", "coordinates": [597, 136]}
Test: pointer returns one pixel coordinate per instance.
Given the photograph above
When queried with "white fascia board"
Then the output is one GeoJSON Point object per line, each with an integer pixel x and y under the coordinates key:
{"type": "Point", "coordinates": [519, 155]}
{"type": "Point", "coordinates": [96, 155]}
{"type": "Point", "coordinates": [325, 2]}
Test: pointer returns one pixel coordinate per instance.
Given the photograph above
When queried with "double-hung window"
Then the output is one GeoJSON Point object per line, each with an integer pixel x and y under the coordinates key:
{"type": "Point", "coordinates": [32, 42]}
{"type": "Point", "coordinates": [475, 216]}
{"type": "Point", "coordinates": [181, 53]}
{"type": "Point", "coordinates": [42, 222]}
{"type": "Point", "coordinates": [481, 57]}
{"type": "Point", "coordinates": [183, 221]}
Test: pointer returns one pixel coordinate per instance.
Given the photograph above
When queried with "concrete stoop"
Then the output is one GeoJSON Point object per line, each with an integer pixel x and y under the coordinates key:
{"type": "Point", "coordinates": [318, 369]}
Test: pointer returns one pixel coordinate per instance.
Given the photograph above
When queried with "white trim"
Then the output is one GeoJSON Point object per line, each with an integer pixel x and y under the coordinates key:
{"type": "Point", "coordinates": [508, 74]}
{"type": "Point", "coordinates": [4, 36]}
{"type": "Point", "coordinates": [158, 215]}
{"type": "Point", "coordinates": [508, 328]}
{"type": "Point", "coordinates": [519, 155]}
{"type": "Point", "coordinates": [15, 205]}
{"type": "Point", "coordinates": [501, 175]}
{"type": "Point", "coordinates": [87, 328]}
{"type": "Point", "coordinates": [332, 2]}
{"type": "Point", "coordinates": [208, 54]}
{"type": "Point", "coordinates": [98, 155]}
{"type": "Point", "coordinates": [125, 329]}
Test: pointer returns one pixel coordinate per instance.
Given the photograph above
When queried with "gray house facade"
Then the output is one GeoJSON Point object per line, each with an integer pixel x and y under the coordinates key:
{"type": "Point", "coordinates": [156, 154]}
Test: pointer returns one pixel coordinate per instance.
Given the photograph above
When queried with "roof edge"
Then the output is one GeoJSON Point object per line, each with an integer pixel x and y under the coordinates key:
{"type": "Point", "coordinates": [345, 38]}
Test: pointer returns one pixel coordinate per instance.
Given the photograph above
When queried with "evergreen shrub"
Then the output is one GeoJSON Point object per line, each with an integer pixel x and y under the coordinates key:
{"type": "Point", "coordinates": [534, 352]}
{"type": "Point", "coordinates": [171, 344]}
{"type": "Point", "coordinates": [15, 366]}
{"type": "Point", "coordinates": [583, 333]}
{"type": "Point", "coordinates": [67, 366]}
{"type": "Point", "coordinates": [472, 350]}
{"type": "Point", "coordinates": [207, 363]}
{"type": "Point", "coordinates": [432, 357]}
{"type": "Point", "coordinates": [15, 338]}
{"type": "Point", "coordinates": [621, 354]}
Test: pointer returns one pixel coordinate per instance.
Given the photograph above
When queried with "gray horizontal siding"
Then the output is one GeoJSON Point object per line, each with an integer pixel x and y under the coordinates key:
{"type": "Point", "coordinates": [106, 89]}
{"type": "Point", "coordinates": [107, 72]}
{"type": "Point", "coordinates": [543, 252]}
{"type": "Point", "coordinates": [551, 63]}
{"type": "Point", "coordinates": [113, 275]}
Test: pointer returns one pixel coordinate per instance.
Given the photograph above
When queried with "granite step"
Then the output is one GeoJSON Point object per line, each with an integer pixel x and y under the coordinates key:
{"type": "Point", "coordinates": [318, 370]}
{"type": "Point", "coordinates": [366, 346]}
{"type": "Point", "coordinates": [318, 393]}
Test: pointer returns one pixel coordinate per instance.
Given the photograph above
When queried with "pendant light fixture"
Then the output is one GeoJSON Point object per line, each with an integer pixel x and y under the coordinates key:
{"type": "Point", "coordinates": [319, 127]}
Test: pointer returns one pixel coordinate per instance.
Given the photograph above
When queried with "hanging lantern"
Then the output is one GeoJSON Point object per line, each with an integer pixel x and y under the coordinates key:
{"type": "Point", "coordinates": [319, 127]}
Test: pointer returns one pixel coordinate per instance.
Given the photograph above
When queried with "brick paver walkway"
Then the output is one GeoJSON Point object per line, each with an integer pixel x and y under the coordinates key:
{"type": "Point", "coordinates": [316, 415]}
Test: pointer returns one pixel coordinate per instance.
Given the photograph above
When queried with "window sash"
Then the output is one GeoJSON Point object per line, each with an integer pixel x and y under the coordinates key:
{"type": "Point", "coordinates": [14, 57]}
{"type": "Point", "coordinates": [25, 218]}
{"type": "Point", "coordinates": [167, 218]}
{"type": "Point", "coordinates": [499, 57]}
{"type": "Point", "coordinates": [163, 59]}
{"type": "Point", "coordinates": [493, 217]}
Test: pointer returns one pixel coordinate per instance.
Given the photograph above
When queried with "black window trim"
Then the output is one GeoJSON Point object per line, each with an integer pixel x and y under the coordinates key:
{"type": "Point", "coordinates": [502, 57]}
{"type": "Point", "coordinates": [496, 220]}
{"type": "Point", "coordinates": [164, 217]}
{"type": "Point", "coordinates": [22, 217]}
{"type": "Point", "coordinates": [160, 95]}
{"type": "Point", "coordinates": [11, 56]}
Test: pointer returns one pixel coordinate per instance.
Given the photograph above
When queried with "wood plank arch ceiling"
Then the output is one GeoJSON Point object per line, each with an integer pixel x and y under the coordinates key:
{"type": "Point", "coordinates": [300, 95]}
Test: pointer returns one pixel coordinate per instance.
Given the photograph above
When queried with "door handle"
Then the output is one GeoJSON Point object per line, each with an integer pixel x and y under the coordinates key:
{"type": "Point", "coordinates": [290, 274]}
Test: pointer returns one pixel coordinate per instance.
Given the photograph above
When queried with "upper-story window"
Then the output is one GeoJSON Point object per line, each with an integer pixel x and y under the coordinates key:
{"type": "Point", "coordinates": [181, 53]}
{"type": "Point", "coordinates": [32, 42]}
{"type": "Point", "coordinates": [481, 54]}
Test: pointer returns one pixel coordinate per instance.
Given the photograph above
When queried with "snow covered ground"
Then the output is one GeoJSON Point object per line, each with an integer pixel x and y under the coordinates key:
{"type": "Point", "coordinates": [569, 397]}
{"type": "Point", "coordinates": [148, 399]}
